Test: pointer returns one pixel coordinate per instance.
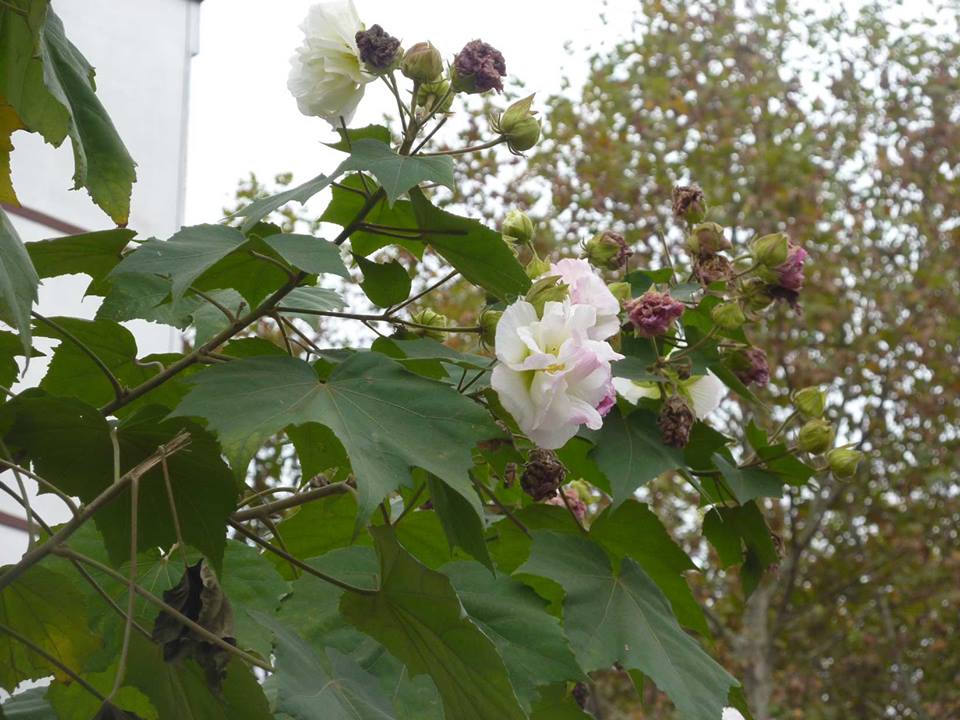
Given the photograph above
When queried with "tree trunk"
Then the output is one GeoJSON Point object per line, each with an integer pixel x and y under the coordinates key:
{"type": "Point", "coordinates": [755, 651]}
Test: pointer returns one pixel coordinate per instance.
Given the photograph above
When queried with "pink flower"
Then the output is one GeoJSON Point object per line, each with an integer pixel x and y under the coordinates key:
{"type": "Point", "coordinates": [653, 312]}
{"type": "Point", "coordinates": [577, 505]}
{"type": "Point", "coordinates": [588, 288]}
{"type": "Point", "coordinates": [552, 377]}
{"type": "Point", "coordinates": [790, 272]}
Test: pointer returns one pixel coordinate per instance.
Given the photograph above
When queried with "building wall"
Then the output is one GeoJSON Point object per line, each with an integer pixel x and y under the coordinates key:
{"type": "Point", "coordinates": [141, 50]}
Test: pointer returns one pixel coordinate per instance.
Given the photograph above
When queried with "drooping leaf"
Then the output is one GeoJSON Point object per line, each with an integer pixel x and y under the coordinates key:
{"type": "Point", "coordinates": [418, 617]}
{"type": "Point", "coordinates": [18, 281]}
{"type": "Point", "coordinates": [478, 252]}
{"type": "Point", "coordinates": [388, 419]}
{"type": "Point", "coordinates": [461, 522]}
{"type": "Point", "coordinates": [531, 642]}
{"type": "Point", "coordinates": [629, 451]}
{"type": "Point", "coordinates": [625, 618]}
{"type": "Point", "coordinates": [94, 254]}
{"type": "Point", "coordinates": [740, 534]}
{"type": "Point", "coordinates": [386, 283]}
{"type": "Point", "coordinates": [310, 254]}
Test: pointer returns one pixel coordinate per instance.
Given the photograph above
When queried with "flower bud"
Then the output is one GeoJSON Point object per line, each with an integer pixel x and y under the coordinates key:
{"type": "Point", "coordinates": [790, 271]}
{"type": "Point", "coordinates": [675, 421]}
{"type": "Point", "coordinates": [431, 318]}
{"type": "Point", "coordinates": [607, 250]}
{"type": "Point", "coordinates": [707, 239]}
{"type": "Point", "coordinates": [621, 291]}
{"type": "Point", "coordinates": [810, 401]}
{"type": "Point", "coordinates": [711, 268]}
{"type": "Point", "coordinates": [379, 52]}
{"type": "Point", "coordinates": [749, 365]}
{"type": "Point", "coordinates": [537, 267]}
{"type": "Point", "coordinates": [546, 289]}
{"type": "Point", "coordinates": [770, 250]}
{"type": "Point", "coordinates": [816, 436]}
{"type": "Point", "coordinates": [519, 126]}
{"type": "Point", "coordinates": [689, 204]}
{"type": "Point", "coordinates": [755, 294]}
{"type": "Point", "coordinates": [542, 474]}
{"type": "Point", "coordinates": [653, 313]}
{"type": "Point", "coordinates": [488, 327]}
{"type": "Point", "coordinates": [432, 93]}
{"type": "Point", "coordinates": [422, 63]}
{"type": "Point", "coordinates": [843, 461]}
{"type": "Point", "coordinates": [517, 227]}
{"type": "Point", "coordinates": [728, 316]}
{"type": "Point", "coordinates": [478, 68]}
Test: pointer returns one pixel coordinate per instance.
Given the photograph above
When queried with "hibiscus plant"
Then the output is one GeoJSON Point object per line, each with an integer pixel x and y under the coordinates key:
{"type": "Point", "coordinates": [449, 523]}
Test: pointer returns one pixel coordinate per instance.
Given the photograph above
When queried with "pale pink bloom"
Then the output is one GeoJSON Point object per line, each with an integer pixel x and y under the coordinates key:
{"type": "Point", "coordinates": [551, 376]}
{"type": "Point", "coordinates": [588, 288]}
{"type": "Point", "coordinates": [705, 392]}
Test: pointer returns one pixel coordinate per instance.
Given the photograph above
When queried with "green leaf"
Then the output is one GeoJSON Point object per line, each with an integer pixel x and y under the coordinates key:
{"type": "Point", "coordinates": [184, 257]}
{"type": "Point", "coordinates": [46, 608]}
{"type": "Point", "coordinates": [101, 162]}
{"type": "Point", "coordinates": [724, 537]}
{"type": "Point", "coordinates": [337, 515]}
{"type": "Point", "coordinates": [417, 616]}
{"type": "Point", "coordinates": [18, 282]}
{"type": "Point", "coordinates": [310, 254]}
{"type": "Point", "coordinates": [741, 534]}
{"type": "Point", "coordinates": [11, 346]}
{"type": "Point", "coordinates": [530, 641]}
{"type": "Point", "coordinates": [146, 297]}
{"type": "Point", "coordinates": [478, 252]}
{"type": "Point", "coordinates": [94, 254]}
{"type": "Point", "coordinates": [556, 703]}
{"type": "Point", "coordinates": [748, 483]}
{"type": "Point", "coordinates": [625, 618]}
{"type": "Point", "coordinates": [351, 135]}
{"type": "Point", "coordinates": [319, 451]}
{"type": "Point", "coordinates": [461, 520]}
{"type": "Point", "coordinates": [388, 419]}
{"type": "Point", "coordinates": [73, 700]}
{"type": "Point", "coordinates": [385, 284]}
{"type": "Point", "coordinates": [321, 686]}
{"type": "Point", "coordinates": [633, 530]}
{"type": "Point", "coordinates": [629, 451]}
{"type": "Point", "coordinates": [350, 196]}
{"type": "Point", "coordinates": [398, 173]}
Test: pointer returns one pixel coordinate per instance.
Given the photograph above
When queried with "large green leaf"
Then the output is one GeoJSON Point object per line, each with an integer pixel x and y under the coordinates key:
{"type": "Point", "coordinates": [46, 608]}
{"type": "Point", "coordinates": [70, 699]}
{"type": "Point", "coordinates": [624, 617]}
{"type": "Point", "coordinates": [462, 525]}
{"type": "Point", "coordinates": [418, 617]}
{"type": "Point", "coordinates": [740, 534]}
{"type": "Point", "coordinates": [478, 252]}
{"type": "Point", "coordinates": [94, 254]}
{"type": "Point", "coordinates": [530, 641]}
{"type": "Point", "coordinates": [748, 483]}
{"type": "Point", "coordinates": [337, 515]}
{"type": "Point", "coordinates": [101, 162]}
{"type": "Point", "coordinates": [556, 703]}
{"type": "Point", "coordinates": [397, 173]}
{"type": "Point", "coordinates": [310, 254]}
{"type": "Point", "coordinates": [629, 451]}
{"type": "Point", "coordinates": [388, 419]}
{"type": "Point", "coordinates": [18, 281]}
{"type": "Point", "coordinates": [350, 196]}
{"type": "Point", "coordinates": [386, 283]}
{"type": "Point", "coordinates": [184, 257]}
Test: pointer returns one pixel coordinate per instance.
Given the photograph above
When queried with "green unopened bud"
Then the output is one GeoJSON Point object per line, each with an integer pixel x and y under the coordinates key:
{"type": "Point", "coordinates": [810, 401]}
{"type": "Point", "coordinates": [547, 289]}
{"type": "Point", "coordinates": [728, 316]}
{"type": "Point", "coordinates": [770, 250]}
{"type": "Point", "coordinates": [816, 436]}
{"type": "Point", "coordinates": [519, 125]}
{"type": "Point", "coordinates": [432, 319]}
{"type": "Point", "coordinates": [537, 267]}
{"type": "Point", "coordinates": [517, 227]}
{"type": "Point", "coordinates": [621, 291]}
{"type": "Point", "coordinates": [435, 96]}
{"type": "Point", "coordinates": [843, 461]}
{"type": "Point", "coordinates": [707, 239]}
{"type": "Point", "coordinates": [422, 63]}
{"type": "Point", "coordinates": [488, 327]}
{"type": "Point", "coordinates": [755, 294]}
{"type": "Point", "coordinates": [607, 250]}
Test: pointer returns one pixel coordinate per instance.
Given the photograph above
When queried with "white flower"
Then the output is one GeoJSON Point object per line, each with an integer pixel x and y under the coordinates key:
{"type": "Point", "coordinates": [326, 75]}
{"type": "Point", "coordinates": [588, 288]}
{"type": "Point", "coordinates": [552, 377]}
{"type": "Point", "coordinates": [704, 391]}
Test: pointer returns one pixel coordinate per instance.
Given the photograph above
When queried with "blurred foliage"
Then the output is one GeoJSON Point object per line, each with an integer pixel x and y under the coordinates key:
{"type": "Point", "coordinates": [841, 130]}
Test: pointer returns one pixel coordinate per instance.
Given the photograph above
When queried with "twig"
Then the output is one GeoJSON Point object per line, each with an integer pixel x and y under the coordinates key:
{"type": "Point", "coordinates": [290, 502]}
{"type": "Point", "coordinates": [118, 389]}
{"type": "Point", "coordinates": [173, 512]}
{"type": "Point", "coordinates": [121, 673]}
{"type": "Point", "coordinates": [412, 504]}
{"type": "Point", "coordinates": [449, 276]}
{"type": "Point", "coordinates": [462, 151]}
{"type": "Point", "coordinates": [39, 480]}
{"type": "Point", "coordinates": [502, 508]}
{"type": "Point", "coordinates": [218, 305]}
{"type": "Point", "coordinates": [273, 261]}
{"type": "Point", "coordinates": [430, 135]}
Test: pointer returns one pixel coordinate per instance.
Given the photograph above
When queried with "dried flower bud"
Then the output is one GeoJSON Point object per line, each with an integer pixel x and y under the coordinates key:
{"type": "Point", "coordinates": [537, 267]}
{"type": "Point", "coordinates": [676, 421]}
{"type": "Point", "coordinates": [517, 227]}
{"type": "Point", "coordinates": [810, 401]}
{"type": "Point", "coordinates": [542, 474]}
{"type": "Point", "coordinates": [755, 294]}
{"type": "Point", "coordinates": [478, 68]}
{"type": "Point", "coordinates": [435, 96]}
{"type": "Point", "coordinates": [770, 250]}
{"type": "Point", "coordinates": [844, 461]}
{"type": "Point", "coordinates": [621, 291]}
{"type": "Point", "coordinates": [422, 63]}
{"type": "Point", "coordinates": [707, 239]}
{"type": "Point", "coordinates": [816, 436]}
{"type": "Point", "coordinates": [750, 365]}
{"type": "Point", "coordinates": [379, 51]}
{"type": "Point", "coordinates": [653, 313]}
{"type": "Point", "coordinates": [607, 250]}
{"type": "Point", "coordinates": [577, 506]}
{"type": "Point", "coordinates": [728, 316]}
{"type": "Point", "coordinates": [712, 268]}
{"type": "Point", "coordinates": [433, 319]}
{"type": "Point", "coordinates": [488, 326]}
{"type": "Point", "coordinates": [547, 289]}
{"type": "Point", "coordinates": [689, 204]}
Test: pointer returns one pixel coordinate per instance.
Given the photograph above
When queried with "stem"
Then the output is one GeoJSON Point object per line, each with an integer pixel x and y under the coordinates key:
{"type": "Point", "coordinates": [131, 592]}
{"type": "Point", "coordinates": [309, 569]}
{"type": "Point", "coordinates": [26, 642]}
{"type": "Point", "coordinates": [302, 335]}
{"type": "Point", "coordinates": [449, 276]}
{"type": "Point", "coordinates": [118, 389]}
{"type": "Point", "coordinates": [290, 502]}
{"type": "Point", "coordinates": [502, 508]}
{"type": "Point", "coordinates": [379, 318]}
{"type": "Point", "coordinates": [173, 512]}
{"type": "Point", "coordinates": [36, 478]}
{"type": "Point", "coordinates": [690, 348]}
{"type": "Point", "coordinates": [433, 132]}
{"type": "Point", "coordinates": [462, 151]}
{"type": "Point", "coordinates": [410, 505]}
{"type": "Point", "coordinates": [218, 305]}
{"type": "Point", "coordinates": [37, 554]}
{"type": "Point", "coordinates": [273, 261]}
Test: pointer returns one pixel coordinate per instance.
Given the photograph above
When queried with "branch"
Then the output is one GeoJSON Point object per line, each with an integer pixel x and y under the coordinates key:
{"type": "Point", "coordinates": [118, 389]}
{"type": "Point", "coordinates": [290, 502]}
